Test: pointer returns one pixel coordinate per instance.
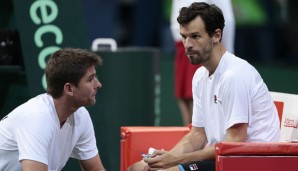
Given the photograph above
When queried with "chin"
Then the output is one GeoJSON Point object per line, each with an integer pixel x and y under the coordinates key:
{"type": "Point", "coordinates": [93, 102]}
{"type": "Point", "coordinates": [195, 62]}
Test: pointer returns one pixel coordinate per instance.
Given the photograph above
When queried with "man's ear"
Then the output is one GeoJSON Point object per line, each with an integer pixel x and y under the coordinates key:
{"type": "Point", "coordinates": [217, 35]}
{"type": "Point", "coordinates": [68, 89]}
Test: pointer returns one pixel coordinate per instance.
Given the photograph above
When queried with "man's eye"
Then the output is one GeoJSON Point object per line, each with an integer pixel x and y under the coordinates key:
{"type": "Point", "coordinates": [91, 78]}
{"type": "Point", "coordinates": [195, 36]}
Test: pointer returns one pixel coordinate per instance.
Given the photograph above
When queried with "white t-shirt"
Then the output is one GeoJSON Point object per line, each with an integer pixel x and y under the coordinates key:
{"type": "Point", "coordinates": [235, 93]}
{"type": "Point", "coordinates": [32, 131]}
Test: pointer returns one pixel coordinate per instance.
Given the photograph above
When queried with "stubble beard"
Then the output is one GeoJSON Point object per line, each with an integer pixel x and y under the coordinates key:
{"type": "Point", "coordinates": [196, 58]}
{"type": "Point", "coordinates": [199, 57]}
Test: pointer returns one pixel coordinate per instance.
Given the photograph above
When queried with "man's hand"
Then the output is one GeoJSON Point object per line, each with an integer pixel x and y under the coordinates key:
{"type": "Point", "coordinates": [161, 159]}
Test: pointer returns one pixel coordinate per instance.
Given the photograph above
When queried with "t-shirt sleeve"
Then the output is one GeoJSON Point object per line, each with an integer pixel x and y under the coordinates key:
{"type": "Point", "coordinates": [235, 101]}
{"type": "Point", "coordinates": [86, 147]}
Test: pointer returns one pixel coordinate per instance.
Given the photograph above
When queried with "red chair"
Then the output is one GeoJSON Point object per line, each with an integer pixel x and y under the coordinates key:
{"type": "Point", "coordinates": [230, 156]}
{"type": "Point", "coordinates": [137, 140]}
{"type": "Point", "coordinates": [251, 156]}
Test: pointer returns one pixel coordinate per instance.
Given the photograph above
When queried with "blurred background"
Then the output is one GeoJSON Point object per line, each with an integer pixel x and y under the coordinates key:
{"type": "Point", "coordinates": [137, 78]}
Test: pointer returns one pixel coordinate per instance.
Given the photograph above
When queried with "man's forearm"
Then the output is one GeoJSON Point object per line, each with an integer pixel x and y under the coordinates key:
{"type": "Point", "coordinates": [193, 141]}
{"type": "Point", "coordinates": [208, 153]}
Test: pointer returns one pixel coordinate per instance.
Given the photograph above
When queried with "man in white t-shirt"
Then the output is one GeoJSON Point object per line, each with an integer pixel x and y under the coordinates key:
{"type": "Point", "coordinates": [43, 133]}
{"type": "Point", "coordinates": [231, 101]}
{"type": "Point", "coordinates": [183, 70]}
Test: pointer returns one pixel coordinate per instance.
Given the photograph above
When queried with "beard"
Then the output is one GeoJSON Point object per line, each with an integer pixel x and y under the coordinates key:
{"type": "Point", "coordinates": [199, 56]}
{"type": "Point", "coordinates": [84, 100]}
{"type": "Point", "coordinates": [195, 59]}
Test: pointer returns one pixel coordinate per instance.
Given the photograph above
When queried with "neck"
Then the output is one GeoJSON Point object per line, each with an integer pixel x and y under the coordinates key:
{"type": "Point", "coordinates": [215, 58]}
{"type": "Point", "coordinates": [63, 109]}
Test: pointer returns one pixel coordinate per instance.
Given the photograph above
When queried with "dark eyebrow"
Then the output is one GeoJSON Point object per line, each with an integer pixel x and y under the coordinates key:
{"type": "Point", "coordinates": [191, 34]}
{"type": "Point", "coordinates": [195, 33]}
{"type": "Point", "coordinates": [92, 75]}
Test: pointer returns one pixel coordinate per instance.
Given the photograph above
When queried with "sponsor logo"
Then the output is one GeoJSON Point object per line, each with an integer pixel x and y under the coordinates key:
{"type": "Point", "coordinates": [215, 99]}
{"type": "Point", "coordinates": [193, 167]}
{"type": "Point", "coordinates": [43, 14]}
{"type": "Point", "coordinates": [290, 123]}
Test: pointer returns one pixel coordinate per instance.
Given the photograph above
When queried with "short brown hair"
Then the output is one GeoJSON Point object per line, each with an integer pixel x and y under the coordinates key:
{"type": "Point", "coordinates": [68, 65]}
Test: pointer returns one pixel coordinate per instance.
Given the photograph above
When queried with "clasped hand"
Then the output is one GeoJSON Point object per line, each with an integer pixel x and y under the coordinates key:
{"type": "Point", "coordinates": [160, 159]}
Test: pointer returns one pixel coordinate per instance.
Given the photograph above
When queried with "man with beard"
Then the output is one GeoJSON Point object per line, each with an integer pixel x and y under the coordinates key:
{"type": "Point", "coordinates": [231, 101]}
{"type": "Point", "coordinates": [183, 69]}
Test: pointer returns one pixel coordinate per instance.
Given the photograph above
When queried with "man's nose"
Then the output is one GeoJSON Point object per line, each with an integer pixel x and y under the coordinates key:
{"type": "Point", "coordinates": [188, 43]}
{"type": "Point", "coordinates": [98, 84]}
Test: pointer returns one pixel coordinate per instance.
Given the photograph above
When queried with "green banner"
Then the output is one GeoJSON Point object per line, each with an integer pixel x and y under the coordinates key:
{"type": "Point", "coordinates": [46, 26]}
